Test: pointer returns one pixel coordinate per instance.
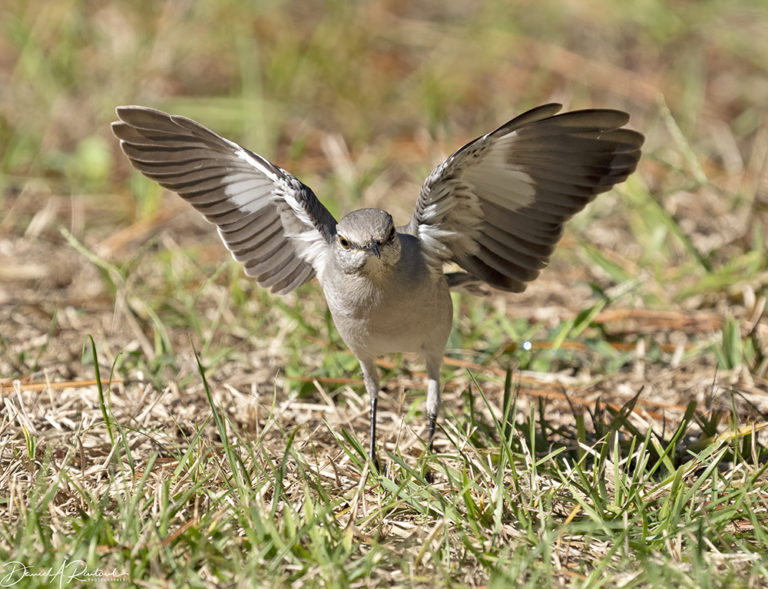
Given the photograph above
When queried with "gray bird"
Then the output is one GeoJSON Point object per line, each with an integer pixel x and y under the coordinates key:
{"type": "Point", "coordinates": [496, 208]}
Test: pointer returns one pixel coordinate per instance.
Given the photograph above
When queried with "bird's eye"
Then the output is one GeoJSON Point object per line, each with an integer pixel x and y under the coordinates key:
{"type": "Point", "coordinates": [343, 242]}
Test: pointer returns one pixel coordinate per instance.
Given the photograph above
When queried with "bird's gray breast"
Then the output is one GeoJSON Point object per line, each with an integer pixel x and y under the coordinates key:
{"type": "Point", "coordinates": [402, 308]}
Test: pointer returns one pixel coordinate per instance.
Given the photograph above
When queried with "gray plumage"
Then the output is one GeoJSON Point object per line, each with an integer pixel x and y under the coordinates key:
{"type": "Point", "coordinates": [496, 207]}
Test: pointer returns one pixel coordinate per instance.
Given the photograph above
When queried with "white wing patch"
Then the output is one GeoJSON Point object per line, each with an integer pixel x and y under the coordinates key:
{"type": "Point", "coordinates": [499, 181]}
{"type": "Point", "coordinates": [458, 208]}
{"type": "Point", "coordinates": [248, 195]}
{"type": "Point", "coordinates": [312, 248]}
{"type": "Point", "coordinates": [308, 242]}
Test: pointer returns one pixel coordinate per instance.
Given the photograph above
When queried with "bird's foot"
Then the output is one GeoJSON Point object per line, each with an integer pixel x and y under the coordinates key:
{"type": "Point", "coordinates": [375, 464]}
{"type": "Point", "coordinates": [428, 473]}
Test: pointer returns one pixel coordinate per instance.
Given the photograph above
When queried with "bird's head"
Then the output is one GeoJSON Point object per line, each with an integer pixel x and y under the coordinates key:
{"type": "Point", "coordinates": [366, 241]}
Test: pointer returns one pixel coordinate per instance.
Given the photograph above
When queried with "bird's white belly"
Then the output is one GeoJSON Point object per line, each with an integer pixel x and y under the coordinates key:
{"type": "Point", "coordinates": [375, 321]}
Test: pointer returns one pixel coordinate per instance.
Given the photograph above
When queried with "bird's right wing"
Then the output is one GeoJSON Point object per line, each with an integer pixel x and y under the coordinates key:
{"type": "Point", "coordinates": [268, 220]}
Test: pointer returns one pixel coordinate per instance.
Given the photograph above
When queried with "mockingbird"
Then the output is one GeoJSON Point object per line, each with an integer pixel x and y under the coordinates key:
{"type": "Point", "coordinates": [495, 208]}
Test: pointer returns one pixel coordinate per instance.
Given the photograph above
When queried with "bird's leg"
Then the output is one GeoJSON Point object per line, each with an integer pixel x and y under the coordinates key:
{"type": "Point", "coordinates": [433, 407]}
{"type": "Point", "coordinates": [372, 441]}
{"type": "Point", "coordinates": [433, 396]}
{"type": "Point", "coordinates": [371, 379]}
{"type": "Point", "coordinates": [432, 421]}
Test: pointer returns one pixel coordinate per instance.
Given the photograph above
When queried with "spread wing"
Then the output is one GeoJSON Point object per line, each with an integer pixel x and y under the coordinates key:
{"type": "Point", "coordinates": [497, 206]}
{"type": "Point", "coordinates": [268, 220]}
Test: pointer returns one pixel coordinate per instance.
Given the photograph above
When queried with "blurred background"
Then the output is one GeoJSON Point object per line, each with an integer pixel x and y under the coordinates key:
{"type": "Point", "coordinates": [360, 100]}
{"type": "Point", "coordinates": [387, 80]}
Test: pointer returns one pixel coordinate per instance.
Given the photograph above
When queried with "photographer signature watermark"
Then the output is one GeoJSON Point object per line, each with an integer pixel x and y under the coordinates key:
{"type": "Point", "coordinates": [14, 571]}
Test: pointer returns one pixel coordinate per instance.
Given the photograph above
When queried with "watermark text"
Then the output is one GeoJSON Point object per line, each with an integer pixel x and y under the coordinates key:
{"type": "Point", "coordinates": [69, 571]}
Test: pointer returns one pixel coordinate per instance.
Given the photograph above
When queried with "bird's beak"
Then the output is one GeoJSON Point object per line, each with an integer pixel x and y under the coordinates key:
{"type": "Point", "coordinates": [374, 247]}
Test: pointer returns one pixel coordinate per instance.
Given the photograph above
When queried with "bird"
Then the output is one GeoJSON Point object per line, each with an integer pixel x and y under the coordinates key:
{"type": "Point", "coordinates": [495, 208]}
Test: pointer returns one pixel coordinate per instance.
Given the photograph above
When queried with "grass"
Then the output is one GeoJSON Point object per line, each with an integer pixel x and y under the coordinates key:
{"type": "Point", "coordinates": [513, 504]}
{"type": "Point", "coordinates": [168, 423]}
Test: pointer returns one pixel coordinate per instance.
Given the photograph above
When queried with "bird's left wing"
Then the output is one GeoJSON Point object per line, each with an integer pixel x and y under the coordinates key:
{"type": "Point", "coordinates": [497, 206]}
